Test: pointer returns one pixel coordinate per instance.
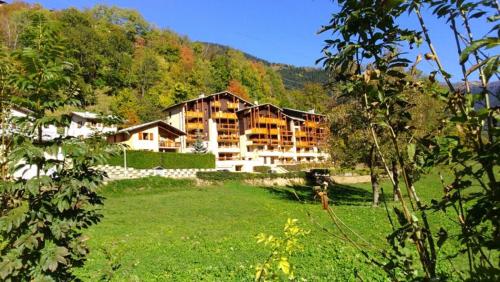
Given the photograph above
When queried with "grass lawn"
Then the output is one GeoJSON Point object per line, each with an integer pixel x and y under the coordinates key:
{"type": "Point", "coordinates": [157, 229]}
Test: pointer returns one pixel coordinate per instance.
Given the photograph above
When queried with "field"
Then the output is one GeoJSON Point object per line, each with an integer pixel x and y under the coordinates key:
{"type": "Point", "coordinates": [159, 229]}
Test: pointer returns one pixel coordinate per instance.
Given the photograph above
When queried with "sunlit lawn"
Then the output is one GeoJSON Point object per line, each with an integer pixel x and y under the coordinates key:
{"type": "Point", "coordinates": [158, 229]}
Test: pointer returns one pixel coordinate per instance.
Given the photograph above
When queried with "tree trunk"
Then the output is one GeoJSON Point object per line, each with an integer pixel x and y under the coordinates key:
{"type": "Point", "coordinates": [374, 177]}
{"type": "Point", "coordinates": [395, 176]}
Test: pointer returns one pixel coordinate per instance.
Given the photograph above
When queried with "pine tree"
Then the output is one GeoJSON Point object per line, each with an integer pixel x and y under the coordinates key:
{"type": "Point", "coordinates": [199, 147]}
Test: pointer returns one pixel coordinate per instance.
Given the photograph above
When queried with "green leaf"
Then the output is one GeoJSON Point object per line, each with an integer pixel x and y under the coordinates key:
{"type": "Point", "coordinates": [411, 151]}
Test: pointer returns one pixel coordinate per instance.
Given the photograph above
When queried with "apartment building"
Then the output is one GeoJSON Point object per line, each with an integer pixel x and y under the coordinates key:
{"type": "Point", "coordinates": [242, 134]}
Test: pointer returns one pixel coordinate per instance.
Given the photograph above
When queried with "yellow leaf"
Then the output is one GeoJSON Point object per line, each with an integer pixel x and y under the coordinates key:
{"type": "Point", "coordinates": [284, 265]}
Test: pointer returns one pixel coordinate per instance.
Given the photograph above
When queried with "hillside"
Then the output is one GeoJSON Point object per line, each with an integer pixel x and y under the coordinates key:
{"type": "Point", "coordinates": [127, 66]}
{"type": "Point", "coordinates": [293, 77]}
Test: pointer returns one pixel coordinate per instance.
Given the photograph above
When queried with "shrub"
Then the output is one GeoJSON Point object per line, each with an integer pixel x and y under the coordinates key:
{"type": "Point", "coordinates": [227, 176]}
{"type": "Point", "coordinates": [261, 169]}
{"type": "Point", "coordinates": [147, 160]}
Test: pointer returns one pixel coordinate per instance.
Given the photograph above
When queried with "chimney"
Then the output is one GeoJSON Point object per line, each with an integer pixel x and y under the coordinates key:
{"type": "Point", "coordinates": [256, 102]}
{"type": "Point", "coordinates": [202, 95]}
{"type": "Point", "coordinates": [311, 111]}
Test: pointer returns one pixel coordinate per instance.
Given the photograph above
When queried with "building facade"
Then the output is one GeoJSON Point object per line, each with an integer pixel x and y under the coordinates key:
{"type": "Point", "coordinates": [86, 124]}
{"type": "Point", "coordinates": [242, 134]}
{"type": "Point", "coordinates": [156, 136]}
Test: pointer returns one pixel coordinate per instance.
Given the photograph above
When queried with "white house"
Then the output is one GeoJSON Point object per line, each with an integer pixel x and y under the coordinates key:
{"type": "Point", "coordinates": [157, 136]}
{"type": "Point", "coordinates": [86, 124]}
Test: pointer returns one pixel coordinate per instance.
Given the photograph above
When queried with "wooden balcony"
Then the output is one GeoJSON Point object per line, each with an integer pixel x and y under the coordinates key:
{"type": "Point", "coordinates": [303, 144]}
{"type": "Point", "coordinates": [233, 127]}
{"type": "Point", "coordinates": [256, 130]}
{"type": "Point", "coordinates": [270, 120]}
{"type": "Point", "coordinates": [300, 133]}
{"type": "Point", "coordinates": [228, 138]}
{"type": "Point", "coordinates": [169, 144]}
{"type": "Point", "coordinates": [216, 104]}
{"type": "Point", "coordinates": [233, 106]}
{"type": "Point", "coordinates": [194, 114]}
{"type": "Point", "coordinates": [311, 124]}
{"type": "Point", "coordinates": [273, 131]}
{"type": "Point", "coordinates": [194, 126]}
{"type": "Point", "coordinates": [223, 115]}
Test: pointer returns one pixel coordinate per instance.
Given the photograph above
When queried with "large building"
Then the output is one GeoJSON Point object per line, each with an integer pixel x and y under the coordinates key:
{"type": "Point", "coordinates": [242, 134]}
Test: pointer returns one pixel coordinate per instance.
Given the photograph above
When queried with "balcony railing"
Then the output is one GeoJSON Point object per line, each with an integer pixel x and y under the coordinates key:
{"type": "Point", "coordinates": [228, 138]}
{"type": "Point", "coordinates": [169, 144]}
{"type": "Point", "coordinates": [300, 133]}
{"type": "Point", "coordinates": [216, 104]}
{"type": "Point", "coordinates": [311, 124]}
{"type": "Point", "coordinates": [270, 120]}
{"type": "Point", "coordinates": [256, 130]}
{"type": "Point", "coordinates": [222, 115]}
{"type": "Point", "coordinates": [194, 114]}
{"type": "Point", "coordinates": [232, 105]}
{"type": "Point", "coordinates": [227, 126]}
{"type": "Point", "coordinates": [194, 125]}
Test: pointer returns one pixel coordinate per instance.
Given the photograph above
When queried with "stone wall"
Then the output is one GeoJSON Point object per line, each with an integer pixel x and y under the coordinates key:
{"type": "Point", "coordinates": [118, 172]}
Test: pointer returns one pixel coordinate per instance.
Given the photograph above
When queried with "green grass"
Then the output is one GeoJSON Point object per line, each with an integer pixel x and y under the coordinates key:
{"type": "Point", "coordinates": [147, 160]}
{"type": "Point", "coordinates": [160, 229]}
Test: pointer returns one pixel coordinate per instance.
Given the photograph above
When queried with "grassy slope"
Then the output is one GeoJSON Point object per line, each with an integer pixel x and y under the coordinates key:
{"type": "Point", "coordinates": [160, 229]}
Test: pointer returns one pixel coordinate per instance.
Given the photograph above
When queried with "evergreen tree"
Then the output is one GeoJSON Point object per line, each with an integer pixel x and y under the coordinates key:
{"type": "Point", "coordinates": [199, 147]}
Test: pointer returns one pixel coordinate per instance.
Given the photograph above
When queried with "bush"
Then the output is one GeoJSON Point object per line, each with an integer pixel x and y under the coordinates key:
{"type": "Point", "coordinates": [261, 169]}
{"type": "Point", "coordinates": [227, 176]}
{"type": "Point", "coordinates": [147, 160]}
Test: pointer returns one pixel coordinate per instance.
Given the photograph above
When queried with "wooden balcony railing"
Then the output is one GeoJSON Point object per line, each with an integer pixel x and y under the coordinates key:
{"type": "Point", "coordinates": [194, 125]}
{"type": "Point", "coordinates": [227, 127]}
{"type": "Point", "coordinates": [300, 133]}
{"type": "Point", "coordinates": [222, 115]}
{"type": "Point", "coordinates": [228, 138]}
{"type": "Point", "coordinates": [169, 144]}
{"type": "Point", "coordinates": [311, 124]}
{"type": "Point", "coordinates": [256, 130]}
{"type": "Point", "coordinates": [232, 105]}
{"type": "Point", "coordinates": [270, 120]}
{"type": "Point", "coordinates": [216, 104]}
{"type": "Point", "coordinates": [194, 114]}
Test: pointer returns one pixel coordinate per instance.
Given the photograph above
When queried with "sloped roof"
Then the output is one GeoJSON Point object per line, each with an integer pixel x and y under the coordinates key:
{"type": "Point", "coordinates": [301, 112]}
{"type": "Point", "coordinates": [274, 106]}
{"type": "Point", "coordinates": [159, 123]}
{"type": "Point", "coordinates": [207, 96]}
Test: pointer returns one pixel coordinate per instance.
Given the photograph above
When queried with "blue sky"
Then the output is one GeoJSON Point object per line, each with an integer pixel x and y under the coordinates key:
{"type": "Point", "coordinates": [281, 31]}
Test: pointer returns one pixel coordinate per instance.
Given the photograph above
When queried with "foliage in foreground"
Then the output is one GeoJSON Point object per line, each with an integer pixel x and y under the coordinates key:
{"type": "Point", "coordinates": [365, 55]}
{"type": "Point", "coordinates": [277, 265]}
{"type": "Point", "coordinates": [43, 218]}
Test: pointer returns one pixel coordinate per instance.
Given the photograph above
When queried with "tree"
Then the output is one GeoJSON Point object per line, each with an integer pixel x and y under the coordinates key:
{"type": "Point", "coordinates": [198, 146]}
{"type": "Point", "coordinates": [42, 230]}
{"type": "Point", "coordinates": [367, 40]}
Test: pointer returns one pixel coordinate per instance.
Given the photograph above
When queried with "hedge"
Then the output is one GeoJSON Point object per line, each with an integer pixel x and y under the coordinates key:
{"type": "Point", "coordinates": [147, 160]}
{"type": "Point", "coordinates": [261, 168]}
{"type": "Point", "coordinates": [225, 175]}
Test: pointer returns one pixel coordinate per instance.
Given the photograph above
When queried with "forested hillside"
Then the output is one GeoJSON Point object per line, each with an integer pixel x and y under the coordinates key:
{"type": "Point", "coordinates": [131, 68]}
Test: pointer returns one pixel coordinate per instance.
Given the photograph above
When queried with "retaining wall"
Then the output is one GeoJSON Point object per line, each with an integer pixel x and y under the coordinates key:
{"type": "Point", "coordinates": [118, 172]}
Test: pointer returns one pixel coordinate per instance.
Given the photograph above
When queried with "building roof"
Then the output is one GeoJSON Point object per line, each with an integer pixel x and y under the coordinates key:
{"type": "Point", "coordinates": [274, 106]}
{"type": "Point", "coordinates": [159, 123]}
{"type": "Point", "coordinates": [86, 115]}
{"type": "Point", "coordinates": [22, 109]}
{"type": "Point", "coordinates": [302, 112]}
{"type": "Point", "coordinates": [207, 96]}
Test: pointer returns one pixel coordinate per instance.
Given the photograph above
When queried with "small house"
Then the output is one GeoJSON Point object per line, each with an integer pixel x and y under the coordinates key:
{"type": "Point", "coordinates": [156, 136]}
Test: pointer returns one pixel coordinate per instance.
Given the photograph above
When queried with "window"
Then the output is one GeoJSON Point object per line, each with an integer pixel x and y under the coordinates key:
{"type": "Point", "coordinates": [145, 136]}
{"type": "Point", "coordinates": [80, 124]}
